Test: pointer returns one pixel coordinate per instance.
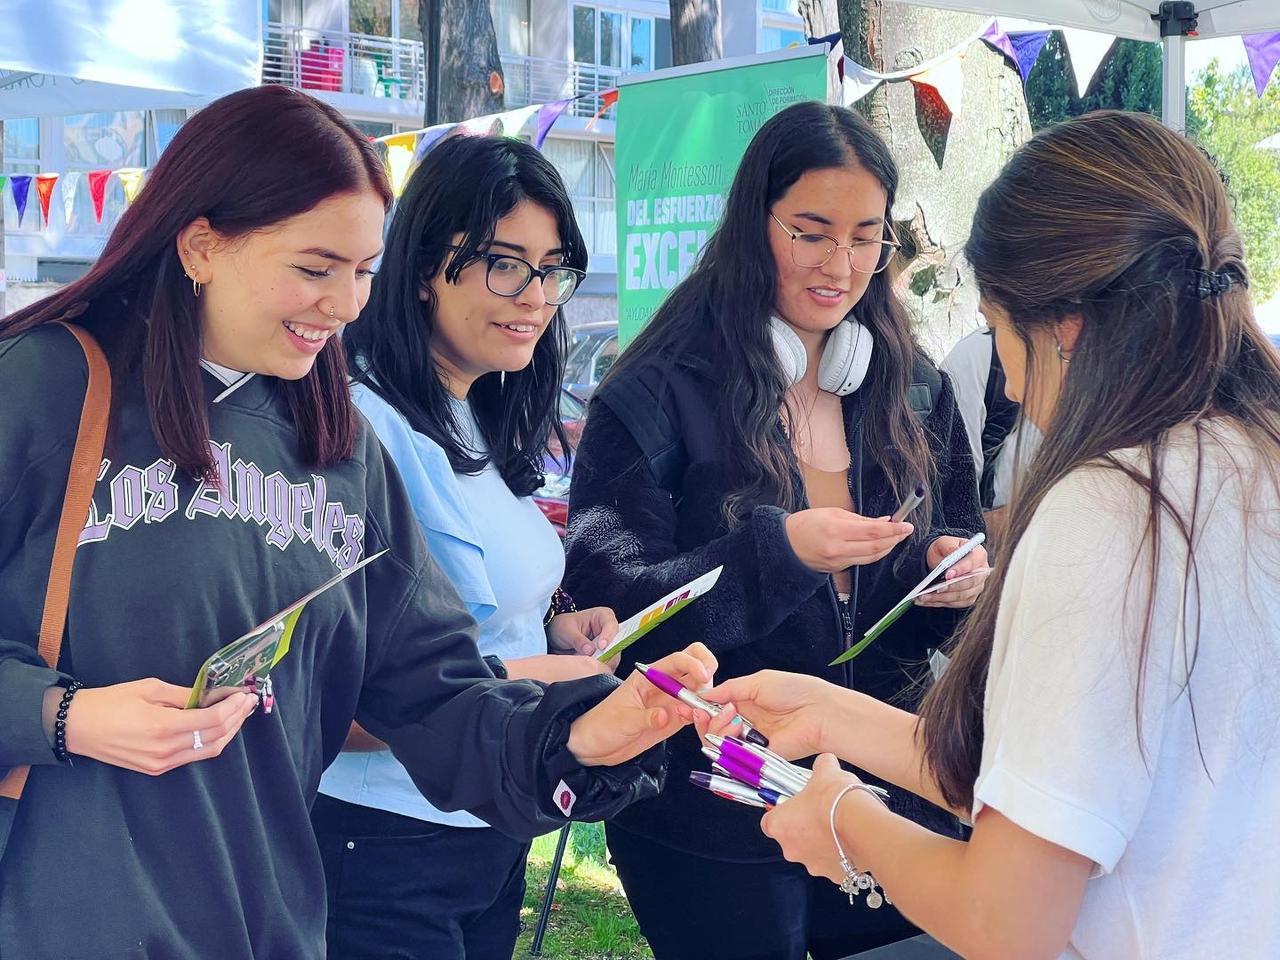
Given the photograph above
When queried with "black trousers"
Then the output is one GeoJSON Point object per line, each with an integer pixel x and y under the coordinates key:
{"type": "Point", "coordinates": [406, 889]}
{"type": "Point", "coordinates": [694, 908]}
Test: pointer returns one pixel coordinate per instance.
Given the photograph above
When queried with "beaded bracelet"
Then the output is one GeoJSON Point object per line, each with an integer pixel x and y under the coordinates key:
{"type": "Point", "coordinates": [856, 881]}
{"type": "Point", "coordinates": [561, 602]}
{"type": "Point", "coordinates": [60, 722]}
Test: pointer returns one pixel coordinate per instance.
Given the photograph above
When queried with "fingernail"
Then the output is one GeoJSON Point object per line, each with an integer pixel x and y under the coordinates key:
{"type": "Point", "coordinates": [736, 719]}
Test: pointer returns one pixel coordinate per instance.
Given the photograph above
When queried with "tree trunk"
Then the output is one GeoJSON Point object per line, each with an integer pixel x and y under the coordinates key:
{"type": "Point", "coordinates": [945, 162]}
{"type": "Point", "coordinates": [468, 72]}
{"type": "Point", "coordinates": [821, 20]}
{"type": "Point", "coordinates": [695, 31]}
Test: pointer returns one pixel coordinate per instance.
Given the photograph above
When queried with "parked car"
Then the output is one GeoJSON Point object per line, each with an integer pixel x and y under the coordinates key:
{"type": "Point", "coordinates": [593, 350]}
{"type": "Point", "coordinates": [552, 497]}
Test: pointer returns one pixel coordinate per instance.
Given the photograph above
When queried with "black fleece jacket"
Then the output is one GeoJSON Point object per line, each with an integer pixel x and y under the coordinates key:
{"type": "Point", "coordinates": [630, 542]}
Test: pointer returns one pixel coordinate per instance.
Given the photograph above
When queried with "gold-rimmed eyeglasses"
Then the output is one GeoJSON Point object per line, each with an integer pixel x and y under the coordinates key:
{"type": "Point", "coordinates": [816, 249]}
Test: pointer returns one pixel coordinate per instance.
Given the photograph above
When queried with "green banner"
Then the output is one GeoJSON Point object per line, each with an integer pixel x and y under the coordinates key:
{"type": "Point", "coordinates": [679, 140]}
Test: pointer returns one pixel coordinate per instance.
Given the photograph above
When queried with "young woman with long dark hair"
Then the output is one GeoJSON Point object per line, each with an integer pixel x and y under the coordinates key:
{"type": "Point", "coordinates": [769, 419]}
{"type": "Point", "coordinates": [1111, 711]}
{"type": "Point", "coordinates": [237, 477]}
{"type": "Point", "coordinates": [458, 358]}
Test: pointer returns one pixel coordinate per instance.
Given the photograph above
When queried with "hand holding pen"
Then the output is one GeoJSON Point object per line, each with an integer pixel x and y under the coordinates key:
{"type": "Point", "coordinates": [682, 693]}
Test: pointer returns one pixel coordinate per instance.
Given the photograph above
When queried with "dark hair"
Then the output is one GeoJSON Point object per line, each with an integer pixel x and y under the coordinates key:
{"type": "Point", "coordinates": [723, 307]}
{"type": "Point", "coordinates": [1108, 217]}
{"type": "Point", "coordinates": [137, 301]}
{"type": "Point", "coordinates": [465, 185]}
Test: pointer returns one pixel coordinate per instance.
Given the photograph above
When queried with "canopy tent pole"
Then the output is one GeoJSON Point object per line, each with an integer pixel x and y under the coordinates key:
{"type": "Point", "coordinates": [1177, 21]}
{"type": "Point", "coordinates": [1174, 107]}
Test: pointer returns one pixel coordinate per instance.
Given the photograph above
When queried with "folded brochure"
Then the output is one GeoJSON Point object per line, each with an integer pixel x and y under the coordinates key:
{"type": "Point", "coordinates": [254, 654]}
{"type": "Point", "coordinates": [925, 586]}
{"type": "Point", "coordinates": [633, 628]}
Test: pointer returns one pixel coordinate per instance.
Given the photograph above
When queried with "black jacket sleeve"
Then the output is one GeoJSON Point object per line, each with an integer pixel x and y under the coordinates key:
{"type": "Point", "coordinates": [957, 509]}
{"type": "Point", "coordinates": [495, 748]}
{"type": "Point", "coordinates": [622, 550]}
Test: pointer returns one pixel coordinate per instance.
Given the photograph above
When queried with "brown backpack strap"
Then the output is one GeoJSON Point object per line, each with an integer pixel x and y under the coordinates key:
{"type": "Point", "coordinates": [86, 460]}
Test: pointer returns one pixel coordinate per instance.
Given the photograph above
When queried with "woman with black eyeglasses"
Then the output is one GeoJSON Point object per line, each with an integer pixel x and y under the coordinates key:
{"type": "Point", "coordinates": [769, 419]}
{"type": "Point", "coordinates": [457, 362]}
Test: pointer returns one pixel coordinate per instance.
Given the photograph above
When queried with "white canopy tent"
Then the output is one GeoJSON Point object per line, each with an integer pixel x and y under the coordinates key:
{"type": "Point", "coordinates": [1167, 23]}
{"type": "Point", "coordinates": [80, 56]}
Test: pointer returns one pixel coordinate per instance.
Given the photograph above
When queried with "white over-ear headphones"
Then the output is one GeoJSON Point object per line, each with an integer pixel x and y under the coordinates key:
{"type": "Point", "coordinates": [844, 362]}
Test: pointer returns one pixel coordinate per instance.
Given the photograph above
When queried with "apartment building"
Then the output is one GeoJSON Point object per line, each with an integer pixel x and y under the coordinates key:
{"type": "Point", "coordinates": [366, 57]}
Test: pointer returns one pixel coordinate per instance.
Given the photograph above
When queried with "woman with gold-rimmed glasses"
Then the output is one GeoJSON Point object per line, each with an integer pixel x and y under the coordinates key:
{"type": "Point", "coordinates": [770, 419]}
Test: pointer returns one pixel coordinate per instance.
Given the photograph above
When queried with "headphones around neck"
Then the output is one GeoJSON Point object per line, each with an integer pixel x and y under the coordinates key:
{"type": "Point", "coordinates": [845, 358]}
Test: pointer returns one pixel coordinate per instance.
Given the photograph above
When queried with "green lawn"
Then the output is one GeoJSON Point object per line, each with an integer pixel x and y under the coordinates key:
{"type": "Point", "coordinates": [590, 918]}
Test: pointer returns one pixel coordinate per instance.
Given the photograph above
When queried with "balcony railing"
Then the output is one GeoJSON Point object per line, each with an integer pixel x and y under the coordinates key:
{"type": "Point", "coordinates": [337, 62]}
{"type": "Point", "coordinates": [357, 63]}
{"type": "Point", "coordinates": [538, 80]}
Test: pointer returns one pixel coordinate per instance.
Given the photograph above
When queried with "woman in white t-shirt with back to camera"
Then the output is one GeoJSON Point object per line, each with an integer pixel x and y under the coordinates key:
{"type": "Point", "coordinates": [1110, 719]}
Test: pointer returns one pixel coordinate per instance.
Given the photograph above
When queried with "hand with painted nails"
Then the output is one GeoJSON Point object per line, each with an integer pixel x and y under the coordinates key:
{"type": "Point", "coordinates": [638, 715]}
{"type": "Point", "coordinates": [791, 709]}
{"type": "Point", "coordinates": [830, 539]}
{"type": "Point", "coordinates": [964, 593]}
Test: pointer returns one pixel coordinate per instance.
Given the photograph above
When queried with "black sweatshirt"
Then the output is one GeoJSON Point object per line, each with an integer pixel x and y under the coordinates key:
{"type": "Point", "coordinates": [630, 542]}
{"type": "Point", "coordinates": [217, 858]}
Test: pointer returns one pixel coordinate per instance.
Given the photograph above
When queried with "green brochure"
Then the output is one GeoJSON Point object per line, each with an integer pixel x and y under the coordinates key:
{"type": "Point", "coordinates": [922, 588]}
{"type": "Point", "coordinates": [254, 654]}
{"type": "Point", "coordinates": [633, 628]}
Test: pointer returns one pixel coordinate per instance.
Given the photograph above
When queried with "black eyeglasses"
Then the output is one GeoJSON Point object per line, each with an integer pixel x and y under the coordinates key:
{"type": "Point", "coordinates": [507, 276]}
{"type": "Point", "coordinates": [816, 249]}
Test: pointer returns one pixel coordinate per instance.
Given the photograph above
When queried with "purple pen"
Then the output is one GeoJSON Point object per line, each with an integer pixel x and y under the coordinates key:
{"type": "Point", "coordinates": [752, 778]}
{"type": "Point", "coordinates": [673, 687]}
{"type": "Point", "coordinates": [726, 787]}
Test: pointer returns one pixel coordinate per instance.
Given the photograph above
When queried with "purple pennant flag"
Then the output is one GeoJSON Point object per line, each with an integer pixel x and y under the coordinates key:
{"type": "Point", "coordinates": [21, 187]}
{"type": "Point", "coordinates": [996, 36]}
{"type": "Point", "coordinates": [1026, 48]}
{"type": "Point", "coordinates": [548, 114]}
{"type": "Point", "coordinates": [1264, 54]}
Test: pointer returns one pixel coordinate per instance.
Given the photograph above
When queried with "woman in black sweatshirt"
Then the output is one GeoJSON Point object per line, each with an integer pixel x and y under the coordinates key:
{"type": "Point", "coordinates": [769, 419]}
{"type": "Point", "coordinates": [236, 478]}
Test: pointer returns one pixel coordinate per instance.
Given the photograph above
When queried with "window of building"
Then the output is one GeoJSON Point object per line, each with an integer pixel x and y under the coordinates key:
{"type": "Point", "coordinates": [588, 172]}
{"type": "Point", "coordinates": [21, 158]}
{"type": "Point", "coordinates": [370, 17]}
{"type": "Point", "coordinates": [777, 38]}
{"type": "Point", "coordinates": [614, 38]}
{"type": "Point", "coordinates": [779, 6]}
{"type": "Point", "coordinates": [511, 24]}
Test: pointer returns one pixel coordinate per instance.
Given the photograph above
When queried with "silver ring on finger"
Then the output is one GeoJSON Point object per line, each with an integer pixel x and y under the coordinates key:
{"type": "Point", "coordinates": [197, 742]}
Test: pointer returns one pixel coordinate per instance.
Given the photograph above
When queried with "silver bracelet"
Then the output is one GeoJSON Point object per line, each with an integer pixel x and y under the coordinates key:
{"type": "Point", "coordinates": [856, 881]}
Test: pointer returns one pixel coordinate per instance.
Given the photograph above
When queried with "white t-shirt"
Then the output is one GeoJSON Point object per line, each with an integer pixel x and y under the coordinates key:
{"type": "Point", "coordinates": [969, 367]}
{"type": "Point", "coordinates": [1185, 859]}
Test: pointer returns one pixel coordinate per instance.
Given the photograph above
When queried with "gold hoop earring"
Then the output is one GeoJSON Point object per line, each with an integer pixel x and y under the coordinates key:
{"type": "Point", "coordinates": [195, 284]}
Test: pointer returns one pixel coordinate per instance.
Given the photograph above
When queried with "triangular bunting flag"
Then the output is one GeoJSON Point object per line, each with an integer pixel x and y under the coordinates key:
{"type": "Point", "coordinates": [399, 160]}
{"type": "Point", "coordinates": [858, 81]}
{"type": "Point", "coordinates": [45, 182]}
{"type": "Point", "coordinates": [513, 121]}
{"type": "Point", "coordinates": [1264, 54]}
{"type": "Point", "coordinates": [947, 78]}
{"type": "Point", "coordinates": [98, 191]}
{"type": "Point", "coordinates": [409, 140]}
{"type": "Point", "coordinates": [548, 114]}
{"type": "Point", "coordinates": [21, 187]}
{"type": "Point", "coordinates": [131, 180]}
{"type": "Point", "coordinates": [998, 38]}
{"type": "Point", "coordinates": [1087, 50]}
{"type": "Point", "coordinates": [429, 137]}
{"type": "Point", "coordinates": [70, 181]}
{"type": "Point", "coordinates": [607, 100]}
{"type": "Point", "coordinates": [1026, 50]}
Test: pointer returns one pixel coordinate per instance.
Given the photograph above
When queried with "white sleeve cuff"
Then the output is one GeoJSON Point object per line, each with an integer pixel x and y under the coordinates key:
{"type": "Point", "coordinates": [1060, 821]}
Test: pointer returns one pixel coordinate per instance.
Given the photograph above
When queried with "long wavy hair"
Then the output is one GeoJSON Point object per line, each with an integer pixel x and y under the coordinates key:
{"type": "Point", "coordinates": [1108, 217]}
{"type": "Point", "coordinates": [137, 301]}
{"type": "Point", "coordinates": [722, 309]}
{"type": "Point", "coordinates": [465, 185]}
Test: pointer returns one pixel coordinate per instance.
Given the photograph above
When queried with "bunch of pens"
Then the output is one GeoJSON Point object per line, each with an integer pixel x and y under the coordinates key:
{"type": "Point", "coordinates": [746, 770]}
{"type": "Point", "coordinates": [748, 773]}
